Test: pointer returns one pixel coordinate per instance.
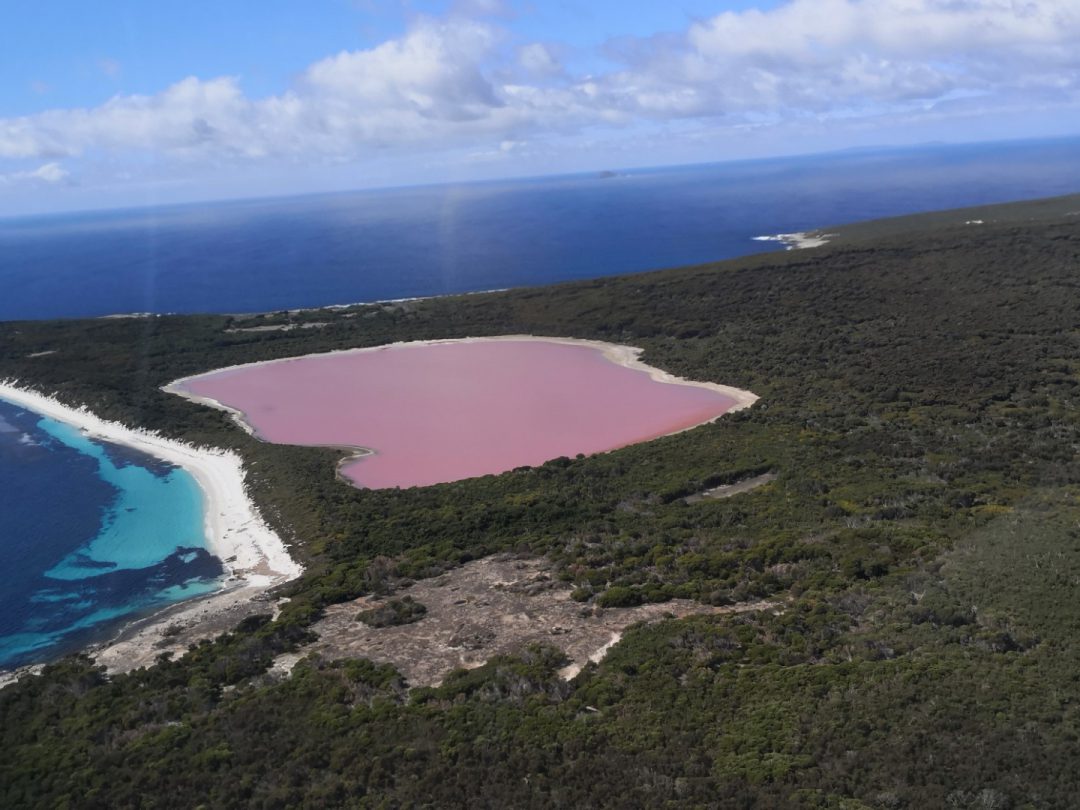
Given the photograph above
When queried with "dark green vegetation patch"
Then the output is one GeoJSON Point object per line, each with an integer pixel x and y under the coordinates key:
{"type": "Point", "coordinates": [921, 411]}
{"type": "Point", "coordinates": [393, 613]}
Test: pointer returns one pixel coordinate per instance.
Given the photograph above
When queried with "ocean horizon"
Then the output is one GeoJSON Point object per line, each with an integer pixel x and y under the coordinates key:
{"type": "Point", "coordinates": [347, 247]}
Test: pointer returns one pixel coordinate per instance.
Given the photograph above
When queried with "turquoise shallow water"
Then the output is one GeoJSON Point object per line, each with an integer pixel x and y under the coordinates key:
{"type": "Point", "coordinates": [91, 535]}
{"type": "Point", "coordinates": [151, 515]}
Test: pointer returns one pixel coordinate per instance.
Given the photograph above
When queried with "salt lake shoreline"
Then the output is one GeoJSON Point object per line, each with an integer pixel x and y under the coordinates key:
{"type": "Point", "coordinates": [253, 555]}
{"type": "Point", "coordinates": [619, 354]}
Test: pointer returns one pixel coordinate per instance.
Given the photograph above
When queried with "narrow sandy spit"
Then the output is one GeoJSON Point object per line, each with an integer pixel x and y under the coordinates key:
{"type": "Point", "coordinates": [254, 556]}
{"type": "Point", "coordinates": [627, 356]}
{"type": "Point", "coordinates": [799, 240]}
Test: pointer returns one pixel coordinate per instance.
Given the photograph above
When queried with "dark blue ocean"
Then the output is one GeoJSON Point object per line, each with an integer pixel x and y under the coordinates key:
{"type": "Point", "coordinates": [90, 534]}
{"type": "Point", "coordinates": [344, 248]}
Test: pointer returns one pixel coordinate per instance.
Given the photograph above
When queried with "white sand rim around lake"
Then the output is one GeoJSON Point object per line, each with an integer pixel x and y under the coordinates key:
{"type": "Point", "coordinates": [620, 354]}
{"type": "Point", "coordinates": [253, 554]}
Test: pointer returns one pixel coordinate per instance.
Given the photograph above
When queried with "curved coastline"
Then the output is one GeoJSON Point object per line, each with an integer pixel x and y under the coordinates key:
{"type": "Point", "coordinates": [253, 555]}
{"type": "Point", "coordinates": [619, 354]}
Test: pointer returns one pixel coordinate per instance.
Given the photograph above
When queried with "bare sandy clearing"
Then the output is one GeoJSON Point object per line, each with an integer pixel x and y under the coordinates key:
{"type": "Point", "coordinates": [489, 607]}
{"type": "Point", "coordinates": [728, 490]}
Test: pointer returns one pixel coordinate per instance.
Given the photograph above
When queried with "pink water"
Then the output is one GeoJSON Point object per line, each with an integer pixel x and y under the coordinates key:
{"type": "Point", "coordinates": [456, 410]}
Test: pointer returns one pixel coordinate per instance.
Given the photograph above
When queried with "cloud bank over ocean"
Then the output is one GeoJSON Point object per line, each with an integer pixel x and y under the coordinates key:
{"type": "Point", "coordinates": [468, 83]}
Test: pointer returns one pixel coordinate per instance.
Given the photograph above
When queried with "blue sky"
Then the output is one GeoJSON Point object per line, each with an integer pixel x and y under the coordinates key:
{"type": "Point", "coordinates": [120, 102]}
{"type": "Point", "coordinates": [74, 53]}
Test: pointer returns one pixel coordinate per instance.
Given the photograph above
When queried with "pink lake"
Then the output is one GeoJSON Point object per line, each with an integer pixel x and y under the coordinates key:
{"type": "Point", "coordinates": [439, 412]}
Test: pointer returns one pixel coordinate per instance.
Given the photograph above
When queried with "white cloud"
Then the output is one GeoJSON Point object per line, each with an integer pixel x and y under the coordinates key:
{"type": "Point", "coordinates": [433, 72]}
{"type": "Point", "coordinates": [426, 86]}
{"type": "Point", "coordinates": [48, 173]}
{"type": "Point", "coordinates": [823, 55]}
{"type": "Point", "coordinates": [538, 59]}
{"type": "Point", "coordinates": [465, 83]}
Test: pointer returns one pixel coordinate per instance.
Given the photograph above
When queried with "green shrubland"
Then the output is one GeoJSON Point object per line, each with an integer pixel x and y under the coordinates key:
{"type": "Point", "coordinates": [920, 409]}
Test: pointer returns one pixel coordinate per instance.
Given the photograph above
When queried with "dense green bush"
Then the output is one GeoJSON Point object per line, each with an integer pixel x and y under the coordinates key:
{"type": "Point", "coordinates": [920, 407]}
{"type": "Point", "coordinates": [393, 612]}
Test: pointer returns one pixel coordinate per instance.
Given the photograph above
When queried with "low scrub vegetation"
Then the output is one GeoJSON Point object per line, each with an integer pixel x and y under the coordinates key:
{"type": "Point", "coordinates": [920, 408]}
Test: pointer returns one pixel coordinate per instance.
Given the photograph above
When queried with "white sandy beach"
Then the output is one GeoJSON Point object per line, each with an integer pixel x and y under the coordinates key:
{"type": "Point", "coordinates": [253, 554]}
